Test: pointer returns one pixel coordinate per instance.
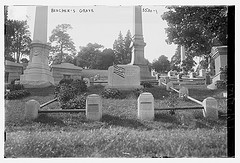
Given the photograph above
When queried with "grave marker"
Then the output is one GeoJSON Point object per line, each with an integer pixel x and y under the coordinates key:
{"type": "Point", "coordinates": [146, 106]}
{"type": "Point", "coordinates": [202, 73]}
{"type": "Point", "coordinates": [210, 108]}
{"type": "Point", "coordinates": [31, 109]}
{"type": "Point", "coordinates": [87, 81]}
{"type": "Point", "coordinates": [169, 84]}
{"type": "Point", "coordinates": [183, 92]}
{"type": "Point", "coordinates": [94, 107]}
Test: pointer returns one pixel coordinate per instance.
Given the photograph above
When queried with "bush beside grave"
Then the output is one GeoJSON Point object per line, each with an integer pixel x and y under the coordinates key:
{"type": "Point", "coordinates": [17, 94]}
{"type": "Point", "coordinates": [79, 102]}
{"type": "Point", "coordinates": [146, 84]}
{"type": "Point", "coordinates": [69, 93]}
{"type": "Point", "coordinates": [14, 87]}
{"type": "Point", "coordinates": [111, 93]}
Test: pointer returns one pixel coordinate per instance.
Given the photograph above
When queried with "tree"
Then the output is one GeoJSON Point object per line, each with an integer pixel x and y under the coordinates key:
{"type": "Point", "coordinates": [197, 28]}
{"type": "Point", "coordinates": [105, 59]}
{"type": "Point", "coordinates": [62, 44]}
{"type": "Point", "coordinates": [16, 37]}
{"type": "Point", "coordinates": [87, 56]}
{"type": "Point", "coordinates": [188, 63]}
{"type": "Point", "coordinates": [122, 49]}
{"type": "Point", "coordinates": [162, 64]}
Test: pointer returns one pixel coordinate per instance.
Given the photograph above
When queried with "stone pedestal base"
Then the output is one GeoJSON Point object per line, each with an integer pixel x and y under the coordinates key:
{"type": "Point", "coordinates": [37, 74]}
{"type": "Point", "coordinates": [145, 74]}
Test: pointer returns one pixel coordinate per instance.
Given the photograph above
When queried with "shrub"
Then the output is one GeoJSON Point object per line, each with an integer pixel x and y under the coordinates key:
{"type": "Point", "coordinates": [66, 81]}
{"type": "Point", "coordinates": [14, 87]}
{"type": "Point", "coordinates": [17, 94]}
{"type": "Point", "coordinates": [79, 86]}
{"type": "Point", "coordinates": [171, 101]}
{"type": "Point", "coordinates": [79, 102]}
{"type": "Point", "coordinates": [111, 93]}
{"type": "Point", "coordinates": [67, 92]}
{"type": "Point", "coordinates": [146, 84]}
{"type": "Point", "coordinates": [138, 91]}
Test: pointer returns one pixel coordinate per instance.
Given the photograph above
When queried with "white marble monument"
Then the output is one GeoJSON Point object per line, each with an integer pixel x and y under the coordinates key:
{"type": "Point", "coordinates": [139, 44]}
{"type": "Point", "coordinates": [37, 73]}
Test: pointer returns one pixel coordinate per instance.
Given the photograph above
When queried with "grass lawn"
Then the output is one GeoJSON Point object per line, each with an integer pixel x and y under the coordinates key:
{"type": "Point", "coordinates": [119, 133]}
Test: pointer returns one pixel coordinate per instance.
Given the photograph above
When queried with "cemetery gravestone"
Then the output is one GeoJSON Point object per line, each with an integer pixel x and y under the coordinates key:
{"type": "Point", "coordinates": [31, 109]}
{"type": "Point", "coordinates": [166, 79]}
{"type": "Point", "coordinates": [183, 92]}
{"type": "Point", "coordinates": [160, 81]}
{"type": "Point", "coordinates": [94, 107]}
{"type": "Point", "coordinates": [210, 108]}
{"type": "Point", "coordinates": [192, 75]}
{"type": "Point", "coordinates": [146, 106]}
{"type": "Point", "coordinates": [87, 81]}
{"type": "Point", "coordinates": [169, 84]}
{"type": "Point", "coordinates": [202, 73]}
{"type": "Point", "coordinates": [124, 77]}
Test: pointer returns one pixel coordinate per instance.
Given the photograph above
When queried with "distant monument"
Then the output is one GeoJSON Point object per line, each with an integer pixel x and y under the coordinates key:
{"type": "Point", "coordinates": [182, 53]}
{"type": "Point", "coordinates": [37, 73]}
{"type": "Point", "coordinates": [139, 44]}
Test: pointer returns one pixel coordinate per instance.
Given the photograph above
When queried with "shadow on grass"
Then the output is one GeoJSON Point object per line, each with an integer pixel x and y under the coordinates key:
{"type": "Point", "coordinates": [51, 121]}
{"type": "Point", "coordinates": [123, 122]}
{"type": "Point", "coordinates": [166, 118]}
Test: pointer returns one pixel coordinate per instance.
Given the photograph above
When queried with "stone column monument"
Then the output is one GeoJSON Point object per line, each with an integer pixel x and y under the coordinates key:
{"type": "Point", "coordinates": [139, 44]}
{"type": "Point", "coordinates": [37, 73]}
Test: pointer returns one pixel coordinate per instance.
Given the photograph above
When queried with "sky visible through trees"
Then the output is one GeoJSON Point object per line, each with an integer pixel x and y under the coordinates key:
{"type": "Point", "coordinates": [102, 24]}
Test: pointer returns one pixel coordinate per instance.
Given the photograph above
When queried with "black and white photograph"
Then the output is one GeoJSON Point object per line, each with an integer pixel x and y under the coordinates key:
{"type": "Point", "coordinates": [138, 80]}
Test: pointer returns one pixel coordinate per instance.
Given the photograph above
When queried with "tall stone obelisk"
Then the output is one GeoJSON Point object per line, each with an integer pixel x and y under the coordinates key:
{"type": "Point", "coordinates": [139, 44]}
{"type": "Point", "coordinates": [37, 73]}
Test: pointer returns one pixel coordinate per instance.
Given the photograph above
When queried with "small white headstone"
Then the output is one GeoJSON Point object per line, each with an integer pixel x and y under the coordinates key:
{"type": "Point", "coordinates": [160, 81]}
{"type": "Point", "coordinates": [87, 81]}
{"type": "Point", "coordinates": [210, 108]}
{"type": "Point", "coordinates": [31, 109]}
{"type": "Point", "coordinates": [192, 75]}
{"type": "Point", "coordinates": [146, 106]}
{"type": "Point", "coordinates": [169, 84]}
{"type": "Point", "coordinates": [166, 79]}
{"type": "Point", "coordinates": [183, 92]}
{"type": "Point", "coordinates": [17, 82]}
{"type": "Point", "coordinates": [202, 73]}
{"type": "Point", "coordinates": [94, 107]}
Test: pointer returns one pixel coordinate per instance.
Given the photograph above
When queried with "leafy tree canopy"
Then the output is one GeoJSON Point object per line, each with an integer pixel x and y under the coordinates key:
{"type": "Point", "coordinates": [62, 44]}
{"type": "Point", "coordinates": [162, 64]}
{"type": "Point", "coordinates": [122, 49]}
{"type": "Point", "coordinates": [196, 27]}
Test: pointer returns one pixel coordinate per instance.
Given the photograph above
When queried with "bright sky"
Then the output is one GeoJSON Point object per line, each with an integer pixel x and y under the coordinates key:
{"type": "Point", "coordinates": [103, 25]}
